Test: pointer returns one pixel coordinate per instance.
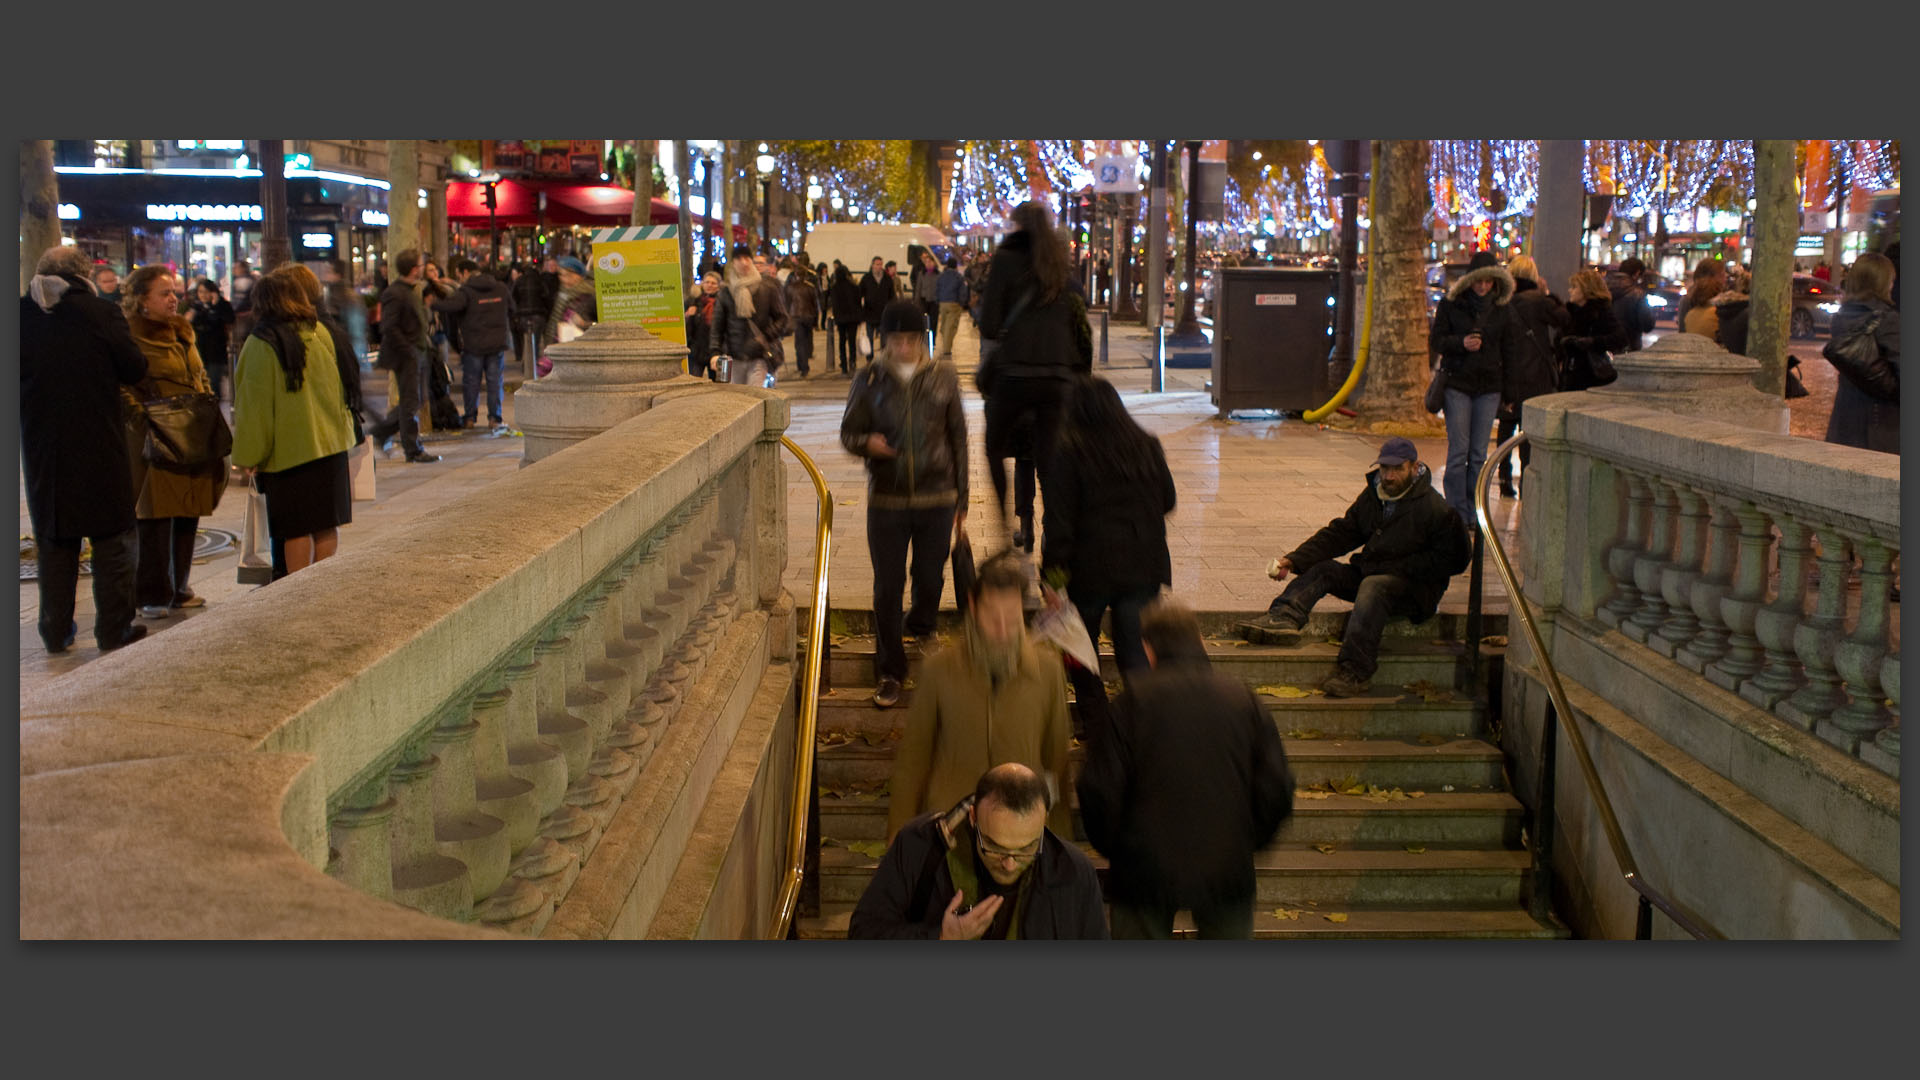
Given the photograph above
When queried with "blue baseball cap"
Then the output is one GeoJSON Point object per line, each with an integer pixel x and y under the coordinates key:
{"type": "Point", "coordinates": [573, 265]}
{"type": "Point", "coordinates": [1397, 451]}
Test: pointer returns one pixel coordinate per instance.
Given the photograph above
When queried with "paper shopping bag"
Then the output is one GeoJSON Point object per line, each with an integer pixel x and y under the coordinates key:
{"type": "Point", "coordinates": [360, 468]}
{"type": "Point", "coordinates": [256, 547]}
{"type": "Point", "coordinates": [1063, 628]}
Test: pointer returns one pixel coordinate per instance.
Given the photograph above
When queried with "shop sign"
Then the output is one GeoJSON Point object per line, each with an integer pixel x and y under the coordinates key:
{"type": "Point", "coordinates": [636, 279]}
{"type": "Point", "coordinates": [203, 212]}
{"type": "Point", "coordinates": [69, 212]}
{"type": "Point", "coordinates": [322, 240]}
{"type": "Point", "coordinates": [374, 217]}
{"type": "Point", "coordinates": [1116, 174]}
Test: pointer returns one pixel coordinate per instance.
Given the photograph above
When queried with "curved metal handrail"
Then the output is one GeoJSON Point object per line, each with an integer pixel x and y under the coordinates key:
{"type": "Point", "coordinates": [1679, 913]}
{"type": "Point", "coordinates": [783, 907]}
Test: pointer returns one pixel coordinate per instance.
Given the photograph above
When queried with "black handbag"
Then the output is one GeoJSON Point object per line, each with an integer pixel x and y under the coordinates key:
{"type": "Point", "coordinates": [988, 372]}
{"type": "Point", "coordinates": [185, 433]}
{"type": "Point", "coordinates": [1437, 390]}
{"type": "Point", "coordinates": [1858, 357]}
{"type": "Point", "coordinates": [963, 571]}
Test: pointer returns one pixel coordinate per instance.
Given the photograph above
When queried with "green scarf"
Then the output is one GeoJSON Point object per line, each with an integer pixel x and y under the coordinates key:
{"type": "Point", "coordinates": [967, 883]}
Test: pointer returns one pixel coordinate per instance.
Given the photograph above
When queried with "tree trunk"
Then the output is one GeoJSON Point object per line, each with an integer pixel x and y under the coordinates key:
{"type": "Point", "coordinates": [39, 205]}
{"type": "Point", "coordinates": [642, 183]}
{"type": "Point", "coordinates": [1397, 358]}
{"type": "Point", "coordinates": [683, 165]}
{"type": "Point", "coordinates": [403, 205]}
{"type": "Point", "coordinates": [1776, 228]}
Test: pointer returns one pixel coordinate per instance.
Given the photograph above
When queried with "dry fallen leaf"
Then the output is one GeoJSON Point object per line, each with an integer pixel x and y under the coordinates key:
{"type": "Point", "coordinates": [1428, 692]}
{"type": "Point", "coordinates": [1416, 794]}
{"type": "Point", "coordinates": [1416, 849]}
{"type": "Point", "coordinates": [1309, 793]}
{"type": "Point", "coordinates": [1336, 916]}
{"type": "Point", "coordinates": [1497, 640]}
{"type": "Point", "coordinates": [872, 849]}
{"type": "Point", "coordinates": [1324, 849]}
{"type": "Point", "coordinates": [1282, 690]}
{"type": "Point", "coordinates": [1287, 913]}
{"type": "Point", "coordinates": [1309, 733]}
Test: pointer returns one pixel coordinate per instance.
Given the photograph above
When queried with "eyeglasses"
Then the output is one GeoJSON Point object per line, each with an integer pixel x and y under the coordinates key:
{"type": "Point", "coordinates": [993, 852]}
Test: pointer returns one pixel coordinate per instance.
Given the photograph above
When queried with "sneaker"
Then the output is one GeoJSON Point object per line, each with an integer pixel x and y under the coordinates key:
{"type": "Point", "coordinates": [887, 694]}
{"type": "Point", "coordinates": [153, 611]}
{"type": "Point", "coordinates": [134, 633]}
{"type": "Point", "coordinates": [189, 599]}
{"type": "Point", "coordinates": [1271, 629]}
{"type": "Point", "coordinates": [1343, 683]}
{"type": "Point", "coordinates": [422, 458]}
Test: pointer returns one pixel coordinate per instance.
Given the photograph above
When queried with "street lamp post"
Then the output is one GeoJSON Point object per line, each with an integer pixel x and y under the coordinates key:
{"type": "Point", "coordinates": [764, 163]}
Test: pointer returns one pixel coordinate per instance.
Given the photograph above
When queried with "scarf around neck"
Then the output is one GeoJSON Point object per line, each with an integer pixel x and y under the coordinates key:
{"type": "Point", "coordinates": [47, 289]}
{"type": "Point", "coordinates": [740, 283]}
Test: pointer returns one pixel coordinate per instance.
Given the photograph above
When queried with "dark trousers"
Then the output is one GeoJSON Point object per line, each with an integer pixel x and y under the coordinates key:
{"type": "Point", "coordinates": [472, 367]}
{"type": "Point", "coordinates": [1376, 598]}
{"type": "Point", "coordinates": [1016, 401]}
{"type": "Point", "coordinates": [803, 345]}
{"type": "Point", "coordinates": [849, 347]}
{"type": "Point", "coordinates": [1126, 608]}
{"type": "Point", "coordinates": [113, 568]}
{"type": "Point", "coordinates": [889, 534]}
{"type": "Point", "coordinates": [1504, 430]}
{"type": "Point", "coordinates": [401, 418]}
{"type": "Point", "coordinates": [164, 560]}
{"type": "Point", "coordinates": [1217, 922]}
{"type": "Point", "coordinates": [216, 374]}
{"type": "Point", "coordinates": [873, 334]}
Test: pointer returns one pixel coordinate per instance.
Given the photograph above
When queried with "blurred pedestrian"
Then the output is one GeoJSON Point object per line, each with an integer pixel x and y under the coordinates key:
{"type": "Point", "coordinates": [1731, 310]}
{"type": "Point", "coordinates": [1040, 338]}
{"type": "Point", "coordinates": [1184, 780]}
{"type": "Point", "coordinates": [1591, 330]}
{"type": "Point", "coordinates": [1472, 331]}
{"type": "Point", "coordinates": [905, 416]}
{"type": "Point", "coordinates": [1106, 516]}
{"type": "Point", "coordinates": [876, 292]}
{"type": "Point", "coordinates": [530, 303]}
{"type": "Point", "coordinates": [1630, 307]}
{"type": "Point", "coordinates": [170, 504]}
{"type": "Point", "coordinates": [1822, 271]}
{"type": "Point", "coordinates": [950, 293]}
{"type": "Point", "coordinates": [749, 319]}
{"type": "Point", "coordinates": [342, 304]}
{"type": "Point", "coordinates": [240, 293]}
{"type": "Point", "coordinates": [1531, 368]}
{"type": "Point", "coordinates": [926, 287]}
{"type": "Point", "coordinates": [1696, 314]}
{"type": "Point", "coordinates": [482, 313]}
{"type": "Point", "coordinates": [803, 312]}
{"type": "Point", "coordinates": [76, 355]}
{"type": "Point", "coordinates": [991, 698]}
{"type": "Point", "coordinates": [106, 284]}
{"type": "Point", "coordinates": [1868, 420]}
{"type": "Point", "coordinates": [292, 423]}
{"type": "Point", "coordinates": [212, 321]}
{"type": "Point", "coordinates": [700, 336]}
{"type": "Point", "coordinates": [573, 302]}
{"type": "Point", "coordinates": [988, 868]}
{"type": "Point", "coordinates": [403, 348]}
{"type": "Point", "coordinates": [847, 304]}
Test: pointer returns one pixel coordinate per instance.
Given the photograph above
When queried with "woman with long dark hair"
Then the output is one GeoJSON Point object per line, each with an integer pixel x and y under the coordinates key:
{"type": "Point", "coordinates": [700, 325]}
{"type": "Point", "coordinates": [843, 296]}
{"type": "Point", "coordinates": [1108, 496]}
{"type": "Point", "coordinates": [1863, 418]}
{"type": "Point", "coordinates": [212, 320]}
{"type": "Point", "coordinates": [1039, 335]}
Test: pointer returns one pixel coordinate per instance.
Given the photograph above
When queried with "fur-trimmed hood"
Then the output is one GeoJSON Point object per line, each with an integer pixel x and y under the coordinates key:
{"type": "Point", "coordinates": [1502, 283]}
{"type": "Point", "coordinates": [1731, 296]}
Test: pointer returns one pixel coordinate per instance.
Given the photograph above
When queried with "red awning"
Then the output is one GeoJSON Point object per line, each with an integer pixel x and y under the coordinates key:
{"type": "Point", "coordinates": [517, 204]}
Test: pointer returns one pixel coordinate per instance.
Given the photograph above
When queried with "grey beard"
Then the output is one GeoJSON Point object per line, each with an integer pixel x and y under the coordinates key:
{"type": "Point", "coordinates": [999, 661]}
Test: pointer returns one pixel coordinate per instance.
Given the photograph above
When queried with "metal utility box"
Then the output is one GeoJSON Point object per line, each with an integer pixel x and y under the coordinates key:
{"type": "Point", "coordinates": [1272, 334]}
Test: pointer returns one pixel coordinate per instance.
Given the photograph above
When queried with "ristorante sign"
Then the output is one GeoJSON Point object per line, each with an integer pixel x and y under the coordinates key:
{"type": "Point", "coordinates": [203, 212]}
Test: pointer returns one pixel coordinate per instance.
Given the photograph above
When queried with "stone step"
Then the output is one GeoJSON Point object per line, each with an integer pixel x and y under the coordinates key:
{"type": "Point", "coordinates": [1290, 875]}
{"type": "Point", "coordinates": [1329, 618]}
{"type": "Point", "coordinates": [1461, 924]}
{"type": "Point", "coordinates": [1489, 819]}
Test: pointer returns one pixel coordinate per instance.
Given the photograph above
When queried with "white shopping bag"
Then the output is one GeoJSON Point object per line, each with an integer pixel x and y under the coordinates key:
{"type": "Point", "coordinates": [360, 468]}
{"type": "Point", "coordinates": [863, 342]}
{"type": "Point", "coordinates": [256, 547]}
{"type": "Point", "coordinates": [1063, 628]}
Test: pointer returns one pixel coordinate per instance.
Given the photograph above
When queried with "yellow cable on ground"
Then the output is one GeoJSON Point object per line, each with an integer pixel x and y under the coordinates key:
{"type": "Point", "coordinates": [1366, 328]}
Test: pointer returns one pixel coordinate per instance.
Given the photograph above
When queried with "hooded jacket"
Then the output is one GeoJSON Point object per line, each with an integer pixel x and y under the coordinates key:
{"type": "Point", "coordinates": [734, 334]}
{"type": "Point", "coordinates": [1630, 309]}
{"type": "Point", "coordinates": [803, 298]}
{"type": "Point", "coordinates": [876, 292]}
{"type": "Point", "coordinates": [1484, 371]}
{"type": "Point", "coordinates": [1731, 310]}
{"type": "Point", "coordinates": [1538, 320]}
{"type": "Point", "coordinates": [845, 299]}
{"type": "Point", "coordinates": [910, 891]}
{"type": "Point", "coordinates": [924, 420]}
{"type": "Point", "coordinates": [1422, 539]}
{"type": "Point", "coordinates": [1041, 339]}
{"type": "Point", "coordinates": [1859, 420]}
{"type": "Point", "coordinates": [1184, 780]}
{"type": "Point", "coordinates": [484, 310]}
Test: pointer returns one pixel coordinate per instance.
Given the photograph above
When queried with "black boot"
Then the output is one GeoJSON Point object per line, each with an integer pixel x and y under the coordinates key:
{"type": "Point", "coordinates": [1024, 539]}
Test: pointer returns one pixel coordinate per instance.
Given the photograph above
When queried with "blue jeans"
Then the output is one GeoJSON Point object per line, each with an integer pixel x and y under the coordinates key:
{"type": "Point", "coordinates": [470, 370]}
{"type": "Point", "coordinates": [1126, 608]}
{"type": "Point", "coordinates": [1469, 427]}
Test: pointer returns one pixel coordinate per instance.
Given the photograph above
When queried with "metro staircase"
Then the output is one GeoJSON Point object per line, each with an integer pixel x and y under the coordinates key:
{"type": "Point", "coordinates": [1404, 824]}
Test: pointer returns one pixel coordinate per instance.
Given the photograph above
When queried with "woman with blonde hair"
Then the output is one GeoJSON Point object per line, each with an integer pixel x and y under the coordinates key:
{"type": "Point", "coordinates": [1592, 329]}
{"type": "Point", "coordinates": [1869, 419]}
{"type": "Point", "coordinates": [1538, 319]}
{"type": "Point", "coordinates": [170, 504]}
{"type": "Point", "coordinates": [292, 430]}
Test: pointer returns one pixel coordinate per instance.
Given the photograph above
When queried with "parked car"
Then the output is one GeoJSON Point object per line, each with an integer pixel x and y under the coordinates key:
{"type": "Point", "coordinates": [1814, 304]}
{"type": "Point", "coordinates": [1663, 295]}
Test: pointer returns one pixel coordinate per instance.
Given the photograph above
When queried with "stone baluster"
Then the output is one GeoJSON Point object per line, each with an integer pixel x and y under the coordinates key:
{"type": "Point", "coordinates": [1620, 557]}
{"type": "Point", "coordinates": [1860, 657]}
{"type": "Point", "coordinates": [460, 829]}
{"type": "Point", "coordinates": [423, 878]}
{"type": "Point", "coordinates": [563, 729]}
{"type": "Point", "coordinates": [1644, 622]}
{"type": "Point", "coordinates": [1815, 636]}
{"type": "Point", "coordinates": [1774, 624]}
{"type": "Point", "coordinates": [1714, 584]}
{"type": "Point", "coordinates": [358, 833]}
{"type": "Point", "coordinates": [583, 700]}
{"type": "Point", "coordinates": [530, 757]}
{"type": "Point", "coordinates": [1740, 609]}
{"type": "Point", "coordinates": [1883, 752]}
{"type": "Point", "coordinates": [1677, 577]}
{"type": "Point", "coordinates": [590, 791]}
{"type": "Point", "coordinates": [568, 826]}
{"type": "Point", "coordinates": [496, 790]}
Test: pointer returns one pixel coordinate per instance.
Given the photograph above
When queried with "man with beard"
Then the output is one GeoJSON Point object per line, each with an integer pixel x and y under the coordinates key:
{"type": "Point", "coordinates": [993, 697]}
{"type": "Point", "coordinates": [1410, 543]}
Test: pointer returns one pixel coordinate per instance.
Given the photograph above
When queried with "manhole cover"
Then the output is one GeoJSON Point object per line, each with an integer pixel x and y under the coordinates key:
{"type": "Point", "coordinates": [207, 544]}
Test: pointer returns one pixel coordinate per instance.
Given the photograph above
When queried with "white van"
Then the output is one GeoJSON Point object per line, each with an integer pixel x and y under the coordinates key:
{"type": "Point", "coordinates": [856, 245]}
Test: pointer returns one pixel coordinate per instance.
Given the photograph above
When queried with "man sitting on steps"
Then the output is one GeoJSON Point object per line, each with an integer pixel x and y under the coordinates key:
{"type": "Point", "coordinates": [1410, 543]}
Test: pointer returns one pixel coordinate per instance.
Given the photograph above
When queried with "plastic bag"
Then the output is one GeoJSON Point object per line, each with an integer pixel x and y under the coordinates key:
{"type": "Point", "coordinates": [1063, 628]}
{"type": "Point", "coordinates": [256, 550]}
{"type": "Point", "coordinates": [360, 468]}
{"type": "Point", "coordinates": [862, 342]}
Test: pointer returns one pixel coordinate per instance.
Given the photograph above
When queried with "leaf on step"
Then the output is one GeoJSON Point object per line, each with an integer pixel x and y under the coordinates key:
{"type": "Point", "coordinates": [880, 738]}
{"type": "Point", "coordinates": [1498, 641]}
{"type": "Point", "coordinates": [828, 841]}
{"type": "Point", "coordinates": [1416, 849]}
{"type": "Point", "coordinates": [834, 738]}
{"type": "Point", "coordinates": [1336, 916]}
{"type": "Point", "coordinates": [1324, 849]}
{"type": "Point", "coordinates": [872, 849]}
{"type": "Point", "coordinates": [1309, 793]}
{"type": "Point", "coordinates": [1310, 733]}
{"type": "Point", "coordinates": [1290, 914]}
{"type": "Point", "coordinates": [837, 624]}
{"type": "Point", "coordinates": [1434, 740]}
{"type": "Point", "coordinates": [1313, 903]}
{"type": "Point", "coordinates": [836, 640]}
{"type": "Point", "coordinates": [908, 685]}
{"type": "Point", "coordinates": [1281, 690]}
{"type": "Point", "coordinates": [1416, 794]}
{"type": "Point", "coordinates": [849, 502]}
{"type": "Point", "coordinates": [1428, 692]}
{"type": "Point", "coordinates": [1351, 786]}
{"type": "Point", "coordinates": [1241, 644]}
{"type": "Point", "coordinates": [1333, 641]}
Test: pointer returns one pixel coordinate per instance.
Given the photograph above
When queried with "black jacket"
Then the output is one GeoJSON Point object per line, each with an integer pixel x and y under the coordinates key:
{"type": "Point", "coordinates": [1630, 309]}
{"type": "Point", "coordinates": [1110, 535]}
{"type": "Point", "coordinates": [734, 335]}
{"type": "Point", "coordinates": [844, 298]}
{"type": "Point", "coordinates": [802, 297]}
{"type": "Point", "coordinates": [910, 891]}
{"type": "Point", "coordinates": [924, 421]}
{"type": "Point", "coordinates": [212, 330]}
{"type": "Point", "coordinates": [1423, 540]}
{"type": "Point", "coordinates": [1590, 327]}
{"type": "Point", "coordinates": [348, 363]}
{"type": "Point", "coordinates": [1184, 780]}
{"type": "Point", "coordinates": [1044, 339]}
{"type": "Point", "coordinates": [402, 327]}
{"type": "Point", "coordinates": [530, 299]}
{"type": "Point", "coordinates": [1859, 420]}
{"type": "Point", "coordinates": [1734, 310]}
{"type": "Point", "coordinates": [1484, 371]}
{"type": "Point", "coordinates": [73, 430]}
{"type": "Point", "coordinates": [1538, 319]}
{"type": "Point", "coordinates": [876, 292]}
{"type": "Point", "coordinates": [483, 310]}
{"type": "Point", "coordinates": [700, 327]}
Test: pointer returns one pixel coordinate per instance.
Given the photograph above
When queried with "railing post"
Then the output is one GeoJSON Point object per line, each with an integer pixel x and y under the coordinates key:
{"type": "Point", "coordinates": [1774, 624]}
{"type": "Point", "coordinates": [1740, 610]}
{"type": "Point", "coordinates": [1816, 636]}
{"type": "Point", "coordinates": [1540, 903]}
{"type": "Point", "coordinates": [1646, 620]}
{"type": "Point", "coordinates": [1643, 921]}
{"type": "Point", "coordinates": [1620, 557]}
{"type": "Point", "coordinates": [1713, 585]}
{"type": "Point", "coordinates": [1681, 625]}
{"type": "Point", "coordinates": [1475, 621]}
{"type": "Point", "coordinates": [1861, 657]}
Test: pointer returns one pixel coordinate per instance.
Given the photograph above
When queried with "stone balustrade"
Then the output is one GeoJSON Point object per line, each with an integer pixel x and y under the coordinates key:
{"type": "Point", "coordinates": [448, 723]}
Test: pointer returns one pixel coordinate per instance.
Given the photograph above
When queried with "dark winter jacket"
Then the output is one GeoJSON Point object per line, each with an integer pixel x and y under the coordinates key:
{"type": "Point", "coordinates": [1859, 420]}
{"type": "Point", "coordinates": [910, 891]}
{"type": "Point", "coordinates": [484, 311]}
{"type": "Point", "coordinates": [1733, 309]}
{"type": "Point", "coordinates": [347, 361]}
{"type": "Point", "coordinates": [403, 326]}
{"type": "Point", "coordinates": [844, 297]}
{"type": "Point", "coordinates": [925, 423]}
{"type": "Point", "coordinates": [530, 299]}
{"type": "Point", "coordinates": [926, 286]}
{"type": "Point", "coordinates": [1484, 371]}
{"type": "Point", "coordinates": [950, 287]}
{"type": "Point", "coordinates": [700, 327]}
{"type": "Point", "coordinates": [212, 330]}
{"type": "Point", "coordinates": [1538, 320]}
{"type": "Point", "coordinates": [1591, 327]}
{"type": "Point", "coordinates": [73, 434]}
{"type": "Point", "coordinates": [876, 292]}
{"type": "Point", "coordinates": [803, 298]}
{"type": "Point", "coordinates": [1043, 339]}
{"type": "Point", "coordinates": [1184, 780]}
{"type": "Point", "coordinates": [1630, 309]}
{"type": "Point", "coordinates": [734, 335]}
{"type": "Point", "coordinates": [1108, 534]}
{"type": "Point", "coordinates": [1422, 540]}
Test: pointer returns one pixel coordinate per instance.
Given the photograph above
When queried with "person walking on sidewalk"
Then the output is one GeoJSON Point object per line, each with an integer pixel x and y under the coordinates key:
{"type": "Point", "coordinates": [700, 337]}
{"type": "Point", "coordinates": [1591, 327]}
{"type": "Point", "coordinates": [1630, 305]}
{"type": "Point", "coordinates": [484, 314]}
{"type": "Point", "coordinates": [1531, 370]}
{"type": "Point", "coordinates": [991, 698]}
{"type": "Point", "coordinates": [926, 287]}
{"type": "Point", "coordinates": [1473, 333]}
{"type": "Point", "coordinates": [803, 311]}
{"type": "Point", "coordinates": [1184, 780]}
{"type": "Point", "coordinates": [876, 292]}
{"type": "Point", "coordinates": [950, 293]}
{"type": "Point", "coordinates": [1410, 543]}
{"type": "Point", "coordinates": [403, 348]}
{"type": "Point", "coordinates": [846, 300]}
{"type": "Point", "coordinates": [572, 304]}
{"type": "Point", "coordinates": [905, 416]}
{"type": "Point", "coordinates": [76, 356]}
{"type": "Point", "coordinates": [749, 319]}
{"type": "Point", "coordinates": [212, 321]}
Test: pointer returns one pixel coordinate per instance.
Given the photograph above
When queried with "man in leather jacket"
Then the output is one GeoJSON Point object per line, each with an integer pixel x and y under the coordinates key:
{"type": "Point", "coordinates": [904, 415]}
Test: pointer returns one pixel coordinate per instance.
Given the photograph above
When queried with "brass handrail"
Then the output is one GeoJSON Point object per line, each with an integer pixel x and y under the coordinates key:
{"type": "Point", "coordinates": [809, 702]}
{"type": "Point", "coordinates": [1679, 913]}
